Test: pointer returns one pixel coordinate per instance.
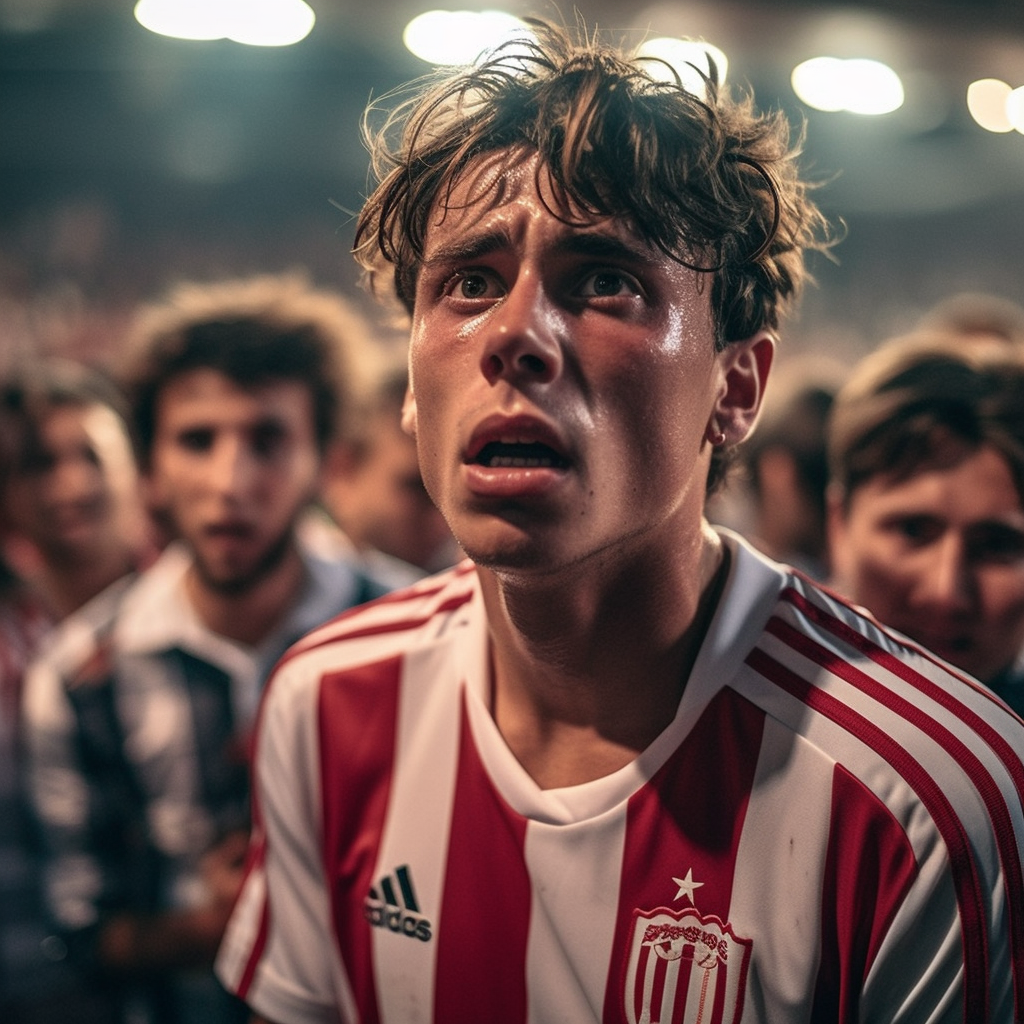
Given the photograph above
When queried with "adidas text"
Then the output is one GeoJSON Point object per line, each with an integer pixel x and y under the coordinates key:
{"type": "Point", "coordinates": [382, 916]}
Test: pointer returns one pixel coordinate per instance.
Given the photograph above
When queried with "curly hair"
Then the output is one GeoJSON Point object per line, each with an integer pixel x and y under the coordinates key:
{"type": "Point", "coordinates": [253, 330]}
{"type": "Point", "coordinates": [707, 180]}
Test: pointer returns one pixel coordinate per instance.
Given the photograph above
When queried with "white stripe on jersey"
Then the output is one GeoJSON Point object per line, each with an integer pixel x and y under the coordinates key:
{"type": "Point", "coordinates": [576, 871]}
{"type": "Point", "coordinates": [770, 860]}
{"type": "Point", "coordinates": [427, 747]}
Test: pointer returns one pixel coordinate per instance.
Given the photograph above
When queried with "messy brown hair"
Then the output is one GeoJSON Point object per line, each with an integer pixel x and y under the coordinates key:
{"type": "Point", "coordinates": [706, 179]}
{"type": "Point", "coordinates": [254, 330]}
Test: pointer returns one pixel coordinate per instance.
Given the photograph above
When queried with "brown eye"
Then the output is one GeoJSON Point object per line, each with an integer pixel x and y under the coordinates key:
{"type": "Point", "coordinates": [473, 286]}
{"type": "Point", "coordinates": [608, 284]}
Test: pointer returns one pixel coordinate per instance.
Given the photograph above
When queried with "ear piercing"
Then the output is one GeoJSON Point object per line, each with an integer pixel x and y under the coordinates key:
{"type": "Point", "coordinates": [714, 435]}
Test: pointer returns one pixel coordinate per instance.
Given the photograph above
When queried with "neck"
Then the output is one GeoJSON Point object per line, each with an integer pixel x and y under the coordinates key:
{"type": "Point", "coordinates": [248, 616]}
{"type": "Point", "coordinates": [587, 672]}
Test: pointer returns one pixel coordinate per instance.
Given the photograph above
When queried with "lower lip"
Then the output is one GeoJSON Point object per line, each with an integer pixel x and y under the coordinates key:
{"type": "Point", "coordinates": [512, 481]}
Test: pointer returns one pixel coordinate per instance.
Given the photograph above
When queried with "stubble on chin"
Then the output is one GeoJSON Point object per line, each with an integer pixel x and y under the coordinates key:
{"type": "Point", "coordinates": [244, 579]}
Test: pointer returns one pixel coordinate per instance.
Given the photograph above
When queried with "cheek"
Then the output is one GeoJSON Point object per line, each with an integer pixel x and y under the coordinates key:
{"type": "Point", "coordinates": [876, 574]}
{"type": "Point", "coordinates": [1003, 594]}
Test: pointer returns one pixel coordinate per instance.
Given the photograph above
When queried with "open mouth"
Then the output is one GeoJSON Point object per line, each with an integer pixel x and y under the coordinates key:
{"type": "Point", "coordinates": [519, 455]}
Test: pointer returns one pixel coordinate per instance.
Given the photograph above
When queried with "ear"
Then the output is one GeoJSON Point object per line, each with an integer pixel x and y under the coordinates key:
{"type": "Point", "coordinates": [745, 366]}
{"type": "Point", "coordinates": [409, 413]}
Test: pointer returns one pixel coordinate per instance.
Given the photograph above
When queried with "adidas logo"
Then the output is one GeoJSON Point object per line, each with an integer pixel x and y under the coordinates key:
{"type": "Point", "coordinates": [397, 911]}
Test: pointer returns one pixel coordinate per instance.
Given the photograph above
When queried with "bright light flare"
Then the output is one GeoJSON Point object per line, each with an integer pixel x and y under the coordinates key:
{"type": "Point", "coordinates": [859, 86]}
{"type": "Point", "coordinates": [683, 57]}
{"type": "Point", "coordinates": [1015, 109]}
{"type": "Point", "coordinates": [456, 38]}
{"type": "Point", "coordinates": [253, 22]}
{"type": "Point", "coordinates": [986, 101]}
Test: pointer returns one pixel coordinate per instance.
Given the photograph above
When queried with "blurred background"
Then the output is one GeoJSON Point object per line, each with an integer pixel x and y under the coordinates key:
{"type": "Point", "coordinates": [130, 159]}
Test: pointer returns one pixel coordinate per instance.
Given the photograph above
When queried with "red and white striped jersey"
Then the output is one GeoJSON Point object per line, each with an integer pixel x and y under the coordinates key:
{"type": "Point", "coordinates": [831, 829]}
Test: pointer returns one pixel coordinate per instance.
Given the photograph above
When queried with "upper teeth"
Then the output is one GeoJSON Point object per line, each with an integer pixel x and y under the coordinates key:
{"type": "Point", "coordinates": [518, 461]}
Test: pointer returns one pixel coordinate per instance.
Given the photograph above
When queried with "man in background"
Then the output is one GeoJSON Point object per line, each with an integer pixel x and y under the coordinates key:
{"type": "Point", "coordinates": [72, 514]}
{"type": "Point", "coordinates": [776, 498]}
{"type": "Point", "coordinates": [374, 492]}
{"type": "Point", "coordinates": [926, 517]}
{"type": "Point", "coordinates": [139, 715]}
{"type": "Point", "coordinates": [72, 523]}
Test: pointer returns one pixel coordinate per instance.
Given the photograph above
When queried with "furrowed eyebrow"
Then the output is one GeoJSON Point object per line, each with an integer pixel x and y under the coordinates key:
{"type": "Point", "coordinates": [468, 250]}
{"type": "Point", "coordinates": [590, 244]}
{"type": "Point", "coordinates": [599, 246]}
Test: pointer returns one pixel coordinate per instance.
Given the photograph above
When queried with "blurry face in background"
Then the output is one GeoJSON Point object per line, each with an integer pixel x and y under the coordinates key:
{"type": "Point", "coordinates": [76, 494]}
{"type": "Point", "coordinates": [232, 468]}
{"type": "Point", "coordinates": [378, 498]}
{"type": "Point", "coordinates": [940, 557]}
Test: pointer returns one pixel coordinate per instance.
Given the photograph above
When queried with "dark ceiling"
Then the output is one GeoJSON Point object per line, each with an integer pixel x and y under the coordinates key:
{"type": "Point", "coordinates": [128, 159]}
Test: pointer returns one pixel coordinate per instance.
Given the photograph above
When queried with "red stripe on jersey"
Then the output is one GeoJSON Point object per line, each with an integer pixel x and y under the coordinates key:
{"type": "Point", "coordinates": [869, 860]}
{"type": "Point", "coordinates": [254, 858]}
{"type": "Point", "coordinates": [688, 819]}
{"type": "Point", "coordinates": [331, 636]}
{"type": "Point", "coordinates": [969, 895]}
{"type": "Point", "coordinates": [357, 720]}
{"type": "Point", "coordinates": [485, 914]}
{"type": "Point", "coordinates": [999, 813]}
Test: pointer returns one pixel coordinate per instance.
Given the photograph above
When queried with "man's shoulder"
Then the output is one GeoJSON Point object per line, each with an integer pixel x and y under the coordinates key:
{"type": "Point", "coordinates": [80, 648]}
{"type": "Point", "coordinates": [395, 621]}
{"type": "Point", "coordinates": [432, 612]}
{"type": "Point", "coordinates": [830, 670]}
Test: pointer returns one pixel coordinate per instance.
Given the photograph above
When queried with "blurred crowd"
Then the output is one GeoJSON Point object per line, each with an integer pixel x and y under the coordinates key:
{"type": "Point", "coordinates": [232, 472]}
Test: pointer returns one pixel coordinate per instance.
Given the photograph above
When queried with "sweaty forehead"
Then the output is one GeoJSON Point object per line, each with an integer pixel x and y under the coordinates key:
{"type": "Point", "coordinates": [499, 194]}
{"type": "Point", "coordinates": [503, 178]}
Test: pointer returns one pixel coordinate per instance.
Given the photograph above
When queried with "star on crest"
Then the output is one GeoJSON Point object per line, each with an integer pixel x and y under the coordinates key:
{"type": "Point", "coordinates": [686, 886]}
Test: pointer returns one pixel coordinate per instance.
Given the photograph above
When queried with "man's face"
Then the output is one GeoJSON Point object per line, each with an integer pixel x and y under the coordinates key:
{"type": "Point", "coordinates": [379, 499]}
{"type": "Point", "coordinates": [562, 380]}
{"type": "Point", "coordinates": [76, 494]}
{"type": "Point", "coordinates": [233, 467]}
{"type": "Point", "coordinates": [940, 557]}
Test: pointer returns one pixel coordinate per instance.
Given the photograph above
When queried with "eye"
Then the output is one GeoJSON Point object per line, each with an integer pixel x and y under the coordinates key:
{"type": "Point", "coordinates": [917, 530]}
{"type": "Point", "coordinates": [474, 285]}
{"type": "Point", "coordinates": [608, 284]}
{"type": "Point", "coordinates": [996, 543]}
{"type": "Point", "coordinates": [37, 462]}
{"type": "Point", "coordinates": [268, 439]}
{"type": "Point", "coordinates": [198, 439]}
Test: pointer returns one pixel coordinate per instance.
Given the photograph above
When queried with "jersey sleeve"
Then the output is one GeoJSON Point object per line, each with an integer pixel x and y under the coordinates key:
{"type": "Point", "coordinates": [279, 953]}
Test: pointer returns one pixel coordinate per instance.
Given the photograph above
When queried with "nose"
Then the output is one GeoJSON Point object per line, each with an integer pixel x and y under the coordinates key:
{"type": "Point", "coordinates": [522, 343]}
{"type": "Point", "coordinates": [230, 467]}
{"type": "Point", "coordinates": [946, 582]}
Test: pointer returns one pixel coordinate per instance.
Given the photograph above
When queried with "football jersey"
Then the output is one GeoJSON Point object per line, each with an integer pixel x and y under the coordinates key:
{"type": "Point", "coordinates": [830, 829]}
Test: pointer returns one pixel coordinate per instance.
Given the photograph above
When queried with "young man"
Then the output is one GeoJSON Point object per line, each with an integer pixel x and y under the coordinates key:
{"type": "Point", "coordinates": [619, 767]}
{"type": "Point", "coordinates": [927, 499]}
{"type": "Point", "coordinates": [138, 716]}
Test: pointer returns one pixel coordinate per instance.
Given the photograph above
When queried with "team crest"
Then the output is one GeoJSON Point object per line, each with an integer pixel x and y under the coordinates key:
{"type": "Point", "coordinates": [684, 968]}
